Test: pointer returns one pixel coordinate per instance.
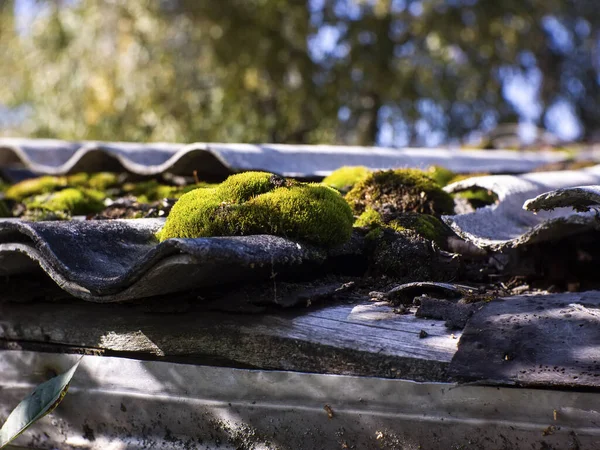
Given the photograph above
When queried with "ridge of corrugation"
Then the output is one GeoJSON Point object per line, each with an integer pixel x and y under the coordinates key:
{"type": "Point", "coordinates": [55, 157]}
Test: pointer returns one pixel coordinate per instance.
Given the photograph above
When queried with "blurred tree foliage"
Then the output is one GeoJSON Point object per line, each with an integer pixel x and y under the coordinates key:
{"type": "Point", "coordinates": [296, 71]}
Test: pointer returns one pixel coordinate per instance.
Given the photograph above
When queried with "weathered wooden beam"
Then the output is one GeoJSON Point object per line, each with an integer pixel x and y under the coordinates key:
{"type": "Point", "coordinates": [348, 337]}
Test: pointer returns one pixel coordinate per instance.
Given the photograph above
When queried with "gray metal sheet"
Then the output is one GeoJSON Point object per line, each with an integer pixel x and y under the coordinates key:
{"type": "Point", "coordinates": [120, 403]}
{"type": "Point", "coordinates": [507, 224]}
{"type": "Point", "coordinates": [59, 157]}
{"type": "Point", "coordinates": [108, 261]}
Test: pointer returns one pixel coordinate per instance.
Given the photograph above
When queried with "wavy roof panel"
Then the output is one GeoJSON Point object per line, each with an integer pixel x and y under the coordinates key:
{"type": "Point", "coordinates": [59, 157]}
{"type": "Point", "coordinates": [116, 260]}
{"type": "Point", "coordinates": [508, 224]}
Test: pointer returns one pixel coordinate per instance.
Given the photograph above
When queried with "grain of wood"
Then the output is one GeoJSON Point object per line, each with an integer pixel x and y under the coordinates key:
{"type": "Point", "coordinates": [348, 338]}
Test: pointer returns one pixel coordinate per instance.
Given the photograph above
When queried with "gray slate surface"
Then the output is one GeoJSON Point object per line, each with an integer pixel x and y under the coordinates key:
{"type": "Point", "coordinates": [549, 341]}
{"type": "Point", "coordinates": [59, 157]}
{"type": "Point", "coordinates": [109, 261]}
{"type": "Point", "coordinates": [580, 198]}
{"type": "Point", "coordinates": [507, 224]}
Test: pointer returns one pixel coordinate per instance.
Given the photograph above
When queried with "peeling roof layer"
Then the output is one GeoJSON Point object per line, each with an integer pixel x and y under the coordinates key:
{"type": "Point", "coordinates": [116, 260]}
{"type": "Point", "coordinates": [579, 198]}
{"type": "Point", "coordinates": [59, 157]}
{"type": "Point", "coordinates": [507, 224]}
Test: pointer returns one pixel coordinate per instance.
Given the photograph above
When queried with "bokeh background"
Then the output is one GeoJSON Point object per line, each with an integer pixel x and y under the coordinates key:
{"type": "Point", "coordinates": [383, 72]}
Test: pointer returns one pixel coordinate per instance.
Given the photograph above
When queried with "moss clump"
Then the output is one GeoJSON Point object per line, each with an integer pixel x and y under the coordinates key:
{"type": "Point", "coordinates": [440, 175]}
{"type": "Point", "coordinates": [425, 225]}
{"type": "Point", "coordinates": [344, 178]}
{"type": "Point", "coordinates": [102, 180]}
{"type": "Point", "coordinates": [99, 181]}
{"type": "Point", "coordinates": [35, 186]}
{"type": "Point", "coordinates": [71, 200]}
{"type": "Point", "coordinates": [258, 203]}
{"type": "Point", "coordinates": [46, 184]}
{"type": "Point", "coordinates": [393, 192]}
{"type": "Point", "coordinates": [369, 219]}
{"type": "Point", "coordinates": [477, 197]}
{"type": "Point", "coordinates": [78, 179]}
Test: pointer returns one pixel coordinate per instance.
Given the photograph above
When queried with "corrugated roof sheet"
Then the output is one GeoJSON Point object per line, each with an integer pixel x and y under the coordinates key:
{"type": "Point", "coordinates": [507, 224]}
{"type": "Point", "coordinates": [115, 260]}
{"type": "Point", "coordinates": [59, 157]}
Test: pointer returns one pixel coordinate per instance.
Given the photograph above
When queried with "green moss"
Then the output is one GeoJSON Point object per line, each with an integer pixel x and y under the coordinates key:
{"type": "Point", "coordinates": [478, 197]}
{"type": "Point", "coordinates": [244, 186]}
{"type": "Point", "coordinates": [424, 225]}
{"type": "Point", "coordinates": [103, 180]}
{"type": "Point", "coordinates": [72, 200]}
{"type": "Point", "coordinates": [393, 192]}
{"type": "Point", "coordinates": [374, 234]}
{"type": "Point", "coordinates": [344, 178]}
{"type": "Point", "coordinates": [259, 203]}
{"type": "Point", "coordinates": [99, 181]}
{"type": "Point", "coordinates": [369, 219]}
{"type": "Point", "coordinates": [78, 179]}
{"type": "Point", "coordinates": [35, 186]}
{"type": "Point", "coordinates": [440, 175]}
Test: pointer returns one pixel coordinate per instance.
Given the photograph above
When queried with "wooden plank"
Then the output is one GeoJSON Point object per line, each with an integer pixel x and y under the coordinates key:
{"type": "Point", "coordinates": [545, 340]}
{"type": "Point", "coordinates": [348, 337]}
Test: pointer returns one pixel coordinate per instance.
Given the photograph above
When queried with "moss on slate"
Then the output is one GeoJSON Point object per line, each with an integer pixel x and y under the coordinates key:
{"type": "Point", "coordinates": [344, 178]}
{"type": "Point", "coordinates": [393, 192]}
{"type": "Point", "coordinates": [478, 197]}
{"type": "Point", "coordinates": [425, 225]}
{"type": "Point", "coordinates": [262, 203]}
{"type": "Point", "coordinates": [440, 175]}
{"type": "Point", "coordinates": [71, 200]}
{"type": "Point", "coordinates": [35, 186]}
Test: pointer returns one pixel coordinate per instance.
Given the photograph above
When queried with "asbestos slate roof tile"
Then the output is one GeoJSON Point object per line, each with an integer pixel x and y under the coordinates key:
{"type": "Point", "coordinates": [116, 260]}
{"type": "Point", "coordinates": [507, 224]}
{"type": "Point", "coordinates": [58, 157]}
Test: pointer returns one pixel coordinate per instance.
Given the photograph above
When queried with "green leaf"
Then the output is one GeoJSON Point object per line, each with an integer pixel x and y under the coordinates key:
{"type": "Point", "coordinates": [36, 405]}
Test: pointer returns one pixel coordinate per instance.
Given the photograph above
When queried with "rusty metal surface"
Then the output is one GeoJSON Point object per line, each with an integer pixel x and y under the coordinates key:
{"type": "Point", "coordinates": [507, 224]}
{"type": "Point", "coordinates": [122, 403]}
{"type": "Point", "coordinates": [58, 157]}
